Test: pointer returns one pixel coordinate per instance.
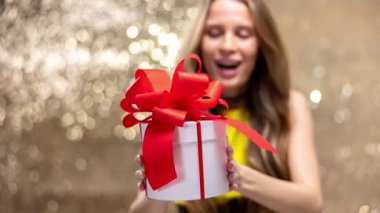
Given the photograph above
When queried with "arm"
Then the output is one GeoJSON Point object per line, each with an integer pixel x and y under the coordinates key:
{"type": "Point", "coordinates": [141, 202]}
{"type": "Point", "coordinates": [302, 193]}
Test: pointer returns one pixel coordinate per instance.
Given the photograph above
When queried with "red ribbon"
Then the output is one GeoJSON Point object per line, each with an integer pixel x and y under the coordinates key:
{"type": "Point", "coordinates": [200, 161]}
{"type": "Point", "coordinates": [172, 102]}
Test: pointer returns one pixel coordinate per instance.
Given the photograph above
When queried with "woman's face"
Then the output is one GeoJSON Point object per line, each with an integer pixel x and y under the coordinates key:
{"type": "Point", "coordinates": [229, 45]}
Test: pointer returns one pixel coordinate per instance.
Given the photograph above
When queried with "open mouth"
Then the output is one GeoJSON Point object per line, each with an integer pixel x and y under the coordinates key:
{"type": "Point", "coordinates": [227, 64]}
{"type": "Point", "coordinates": [228, 68]}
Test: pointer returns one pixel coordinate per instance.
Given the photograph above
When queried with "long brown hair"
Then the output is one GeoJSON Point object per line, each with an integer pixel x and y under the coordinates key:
{"type": "Point", "coordinates": [267, 93]}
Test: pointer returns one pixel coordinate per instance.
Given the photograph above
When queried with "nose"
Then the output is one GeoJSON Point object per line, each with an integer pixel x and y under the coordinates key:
{"type": "Point", "coordinates": [228, 45]}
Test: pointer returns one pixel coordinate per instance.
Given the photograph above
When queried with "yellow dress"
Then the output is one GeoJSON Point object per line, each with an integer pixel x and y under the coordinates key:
{"type": "Point", "coordinates": [240, 144]}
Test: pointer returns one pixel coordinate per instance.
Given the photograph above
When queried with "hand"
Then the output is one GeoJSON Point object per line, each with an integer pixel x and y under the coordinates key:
{"type": "Point", "coordinates": [142, 203]}
{"type": "Point", "coordinates": [140, 174]}
{"type": "Point", "coordinates": [232, 170]}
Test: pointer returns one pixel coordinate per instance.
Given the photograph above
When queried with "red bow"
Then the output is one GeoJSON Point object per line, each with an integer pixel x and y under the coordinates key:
{"type": "Point", "coordinates": [172, 102]}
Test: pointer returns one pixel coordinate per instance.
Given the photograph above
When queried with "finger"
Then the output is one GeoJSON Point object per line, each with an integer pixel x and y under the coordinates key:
{"type": "Point", "coordinates": [231, 166]}
{"type": "Point", "coordinates": [141, 185]}
{"type": "Point", "coordinates": [232, 177]}
{"type": "Point", "coordinates": [230, 156]}
{"type": "Point", "coordinates": [138, 160]}
{"type": "Point", "coordinates": [229, 148]}
{"type": "Point", "coordinates": [140, 175]}
{"type": "Point", "coordinates": [230, 152]}
{"type": "Point", "coordinates": [234, 186]}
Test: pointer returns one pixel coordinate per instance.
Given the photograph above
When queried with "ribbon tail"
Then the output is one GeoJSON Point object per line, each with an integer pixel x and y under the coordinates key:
{"type": "Point", "coordinates": [244, 128]}
{"type": "Point", "coordinates": [158, 154]}
{"type": "Point", "coordinates": [253, 135]}
{"type": "Point", "coordinates": [200, 161]}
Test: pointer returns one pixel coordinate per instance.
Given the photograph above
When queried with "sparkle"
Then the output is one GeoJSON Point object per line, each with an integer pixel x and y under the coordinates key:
{"type": "Point", "coordinates": [156, 54]}
{"type": "Point", "coordinates": [81, 116]}
{"type": "Point", "coordinates": [132, 31]}
{"type": "Point", "coordinates": [347, 90]}
{"type": "Point", "coordinates": [90, 123]}
{"type": "Point", "coordinates": [74, 133]}
{"type": "Point", "coordinates": [67, 119]}
{"type": "Point", "coordinates": [129, 134]}
{"type": "Point", "coordinates": [119, 131]}
{"type": "Point", "coordinates": [154, 29]}
{"type": "Point", "coordinates": [87, 102]}
{"type": "Point", "coordinates": [364, 209]}
{"type": "Point", "coordinates": [315, 96]}
{"type": "Point", "coordinates": [134, 47]}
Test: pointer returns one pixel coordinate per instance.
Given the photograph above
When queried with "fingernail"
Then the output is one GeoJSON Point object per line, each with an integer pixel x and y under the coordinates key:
{"type": "Point", "coordinates": [138, 174]}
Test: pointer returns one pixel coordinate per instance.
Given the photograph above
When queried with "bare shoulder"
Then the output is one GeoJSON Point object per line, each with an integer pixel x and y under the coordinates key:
{"type": "Point", "coordinates": [297, 99]}
{"type": "Point", "coordinates": [298, 108]}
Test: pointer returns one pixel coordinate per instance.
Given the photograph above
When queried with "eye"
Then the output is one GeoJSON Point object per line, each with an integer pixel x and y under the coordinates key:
{"type": "Point", "coordinates": [244, 32]}
{"type": "Point", "coordinates": [214, 31]}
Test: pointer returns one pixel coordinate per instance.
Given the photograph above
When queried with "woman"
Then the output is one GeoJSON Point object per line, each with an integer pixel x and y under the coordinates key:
{"type": "Point", "coordinates": [239, 46]}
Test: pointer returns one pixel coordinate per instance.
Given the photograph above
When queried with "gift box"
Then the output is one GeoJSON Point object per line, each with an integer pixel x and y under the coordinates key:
{"type": "Point", "coordinates": [184, 146]}
{"type": "Point", "coordinates": [199, 151]}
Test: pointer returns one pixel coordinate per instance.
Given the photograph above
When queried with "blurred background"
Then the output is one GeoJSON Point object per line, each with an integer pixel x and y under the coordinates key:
{"type": "Point", "coordinates": [64, 66]}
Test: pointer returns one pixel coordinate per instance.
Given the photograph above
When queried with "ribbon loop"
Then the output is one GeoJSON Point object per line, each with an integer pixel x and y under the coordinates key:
{"type": "Point", "coordinates": [149, 100]}
{"type": "Point", "coordinates": [181, 65]}
{"type": "Point", "coordinates": [187, 88]}
{"type": "Point", "coordinates": [130, 120]}
{"type": "Point", "coordinates": [158, 80]}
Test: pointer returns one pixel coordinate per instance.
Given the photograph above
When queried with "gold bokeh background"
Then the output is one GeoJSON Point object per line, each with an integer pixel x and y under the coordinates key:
{"type": "Point", "coordinates": [65, 64]}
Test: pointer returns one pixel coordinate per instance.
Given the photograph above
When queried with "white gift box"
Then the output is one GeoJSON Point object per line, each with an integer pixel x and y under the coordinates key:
{"type": "Point", "coordinates": [188, 163]}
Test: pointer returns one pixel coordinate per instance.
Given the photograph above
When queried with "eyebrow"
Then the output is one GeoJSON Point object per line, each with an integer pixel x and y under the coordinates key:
{"type": "Point", "coordinates": [244, 26]}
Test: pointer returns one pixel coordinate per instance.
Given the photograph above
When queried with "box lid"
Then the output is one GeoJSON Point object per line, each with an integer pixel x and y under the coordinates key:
{"type": "Point", "coordinates": [211, 130]}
